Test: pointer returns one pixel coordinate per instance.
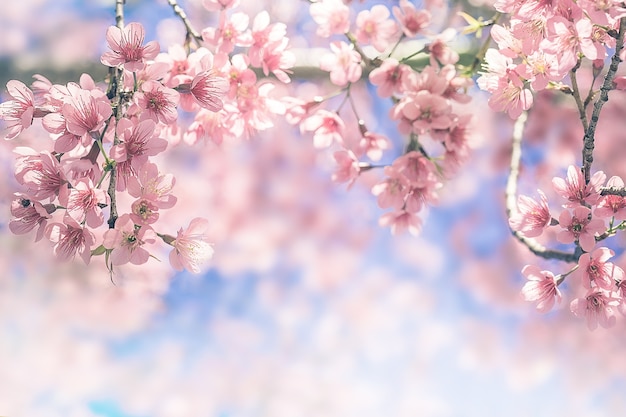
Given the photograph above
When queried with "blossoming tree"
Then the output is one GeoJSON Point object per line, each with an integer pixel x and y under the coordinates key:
{"type": "Point", "coordinates": [97, 187]}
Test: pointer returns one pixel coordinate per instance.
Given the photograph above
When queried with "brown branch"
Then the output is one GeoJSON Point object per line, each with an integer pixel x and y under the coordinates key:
{"type": "Point", "coordinates": [607, 86]}
{"type": "Point", "coordinates": [511, 198]}
{"type": "Point", "coordinates": [618, 191]}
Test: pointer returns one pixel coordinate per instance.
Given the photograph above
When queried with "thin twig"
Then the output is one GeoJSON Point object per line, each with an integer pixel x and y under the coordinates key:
{"type": "Point", "coordinates": [183, 16]}
{"type": "Point", "coordinates": [119, 13]}
{"type": "Point", "coordinates": [590, 133]}
{"type": "Point", "coordinates": [576, 94]}
{"type": "Point", "coordinates": [511, 198]}
{"type": "Point", "coordinates": [618, 191]}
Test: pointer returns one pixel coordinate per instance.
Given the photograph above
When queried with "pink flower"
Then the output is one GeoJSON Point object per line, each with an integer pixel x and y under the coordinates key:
{"type": "Point", "coordinates": [126, 242]}
{"type": "Point", "coordinates": [612, 205]}
{"type": "Point", "coordinates": [373, 145]}
{"type": "Point", "coordinates": [344, 64]}
{"type": "Point", "coordinates": [84, 202]}
{"type": "Point", "coordinates": [598, 306]}
{"type": "Point", "coordinates": [540, 288]}
{"type": "Point", "coordinates": [532, 216]}
{"type": "Point", "coordinates": [138, 143]}
{"type": "Point", "coordinates": [207, 90]}
{"type": "Point", "coordinates": [389, 77]}
{"type": "Point", "coordinates": [332, 16]}
{"type": "Point", "coordinates": [144, 212]}
{"type": "Point", "coordinates": [85, 111]}
{"type": "Point", "coordinates": [512, 97]}
{"type": "Point", "coordinates": [327, 126]}
{"type": "Point", "coordinates": [392, 191]}
{"type": "Point", "coordinates": [40, 172]}
{"type": "Point", "coordinates": [411, 20]}
{"type": "Point", "coordinates": [151, 185]}
{"type": "Point", "coordinates": [70, 238]}
{"type": "Point", "coordinates": [597, 272]}
{"type": "Point", "coordinates": [374, 26]}
{"type": "Point", "coordinates": [574, 189]}
{"type": "Point", "coordinates": [126, 47]}
{"type": "Point", "coordinates": [159, 102]}
{"type": "Point", "coordinates": [27, 214]}
{"type": "Point", "coordinates": [231, 31]}
{"type": "Point", "coordinates": [191, 247]}
{"type": "Point", "coordinates": [578, 227]}
{"type": "Point", "coordinates": [423, 111]}
{"type": "Point", "coordinates": [401, 221]}
{"type": "Point", "coordinates": [19, 112]}
{"type": "Point", "coordinates": [416, 168]}
{"type": "Point", "coordinates": [348, 167]}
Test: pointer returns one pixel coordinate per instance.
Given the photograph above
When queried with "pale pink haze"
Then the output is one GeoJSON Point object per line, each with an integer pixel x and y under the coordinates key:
{"type": "Point", "coordinates": [191, 247]}
{"type": "Point", "coordinates": [575, 191]}
{"type": "Point", "coordinates": [597, 307]}
{"type": "Point", "coordinates": [376, 28]}
{"type": "Point", "coordinates": [612, 205]}
{"type": "Point", "coordinates": [532, 216]}
{"type": "Point", "coordinates": [597, 272]}
{"type": "Point", "coordinates": [126, 242]}
{"type": "Point", "coordinates": [218, 5]}
{"type": "Point", "coordinates": [332, 17]}
{"type": "Point", "coordinates": [18, 112]}
{"type": "Point", "coordinates": [578, 227]}
{"type": "Point", "coordinates": [541, 288]}
{"type": "Point", "coordinates": [127, 47]}
{"type": "Point", "coordinates": [344, 64]}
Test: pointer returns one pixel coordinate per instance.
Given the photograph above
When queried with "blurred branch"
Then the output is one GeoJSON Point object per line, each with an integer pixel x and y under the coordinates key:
{"type": "Point", "coordinates": [511, 198]}
{"type": "Point", "coordinates": [183, 16]}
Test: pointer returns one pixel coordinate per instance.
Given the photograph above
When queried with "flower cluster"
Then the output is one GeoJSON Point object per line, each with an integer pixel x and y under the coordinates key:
{"type": "Point", "coordinates": [583, 222]}
{"type": "Point", "coordinates": [542, 43]}
{"type": "Point", "coordinates": [425, 105]}
{"type": "Point", "coordinates": [96, 187]}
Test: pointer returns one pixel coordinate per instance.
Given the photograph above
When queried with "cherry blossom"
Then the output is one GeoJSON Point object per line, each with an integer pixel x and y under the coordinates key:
{"type": "Point", "coordinates": [191, 247]}
{"type": "Point", "coordinates": [541, 288]}
{"type": "Point", "coordinates": [19, 111]}
{"type": "Point", "coordinates": [533, 216]}
{"type": "Point", "coordinates": [597, 307]}
{"type": "Point", "coordinates": [127, 47]}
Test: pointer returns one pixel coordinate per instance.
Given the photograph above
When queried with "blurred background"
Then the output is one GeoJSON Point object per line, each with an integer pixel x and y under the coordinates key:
{"type": "Point", "coordinates": [309, 308]}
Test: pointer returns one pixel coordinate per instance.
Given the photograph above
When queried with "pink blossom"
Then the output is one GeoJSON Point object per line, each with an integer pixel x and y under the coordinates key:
{"type": "Point", "coordinates": [575, 191]}
{"type": "Point", "coordinates": [231, 31]}
{"type": "Point", "coordinates": [598, 307]}
{"type": "Point", "coordinates": [373, 145]}
{"type": "Point", "coordinates": [389, 77]}
{"type": "Point", "coordinates": [416, 168]}
{"type": "Point", "coordinates": [207, 90]}
{"type": "Point", "coordinates": [423, 111]}
{"type": "Point", "coordinates": [512, 97]}
{"type": "Point", "coordinates": [374, 27]}
{"type": "Point", "coordinates": [40, 172]}
{"type": "Point", "coordinates": [540, 288]}
{"type": "Point", "coordinates": [144, 212]}
{"type": "Point", "coordinates": [126, 242]}
{"type": "Point", "coordinates": [191, 247]}
{"type": "Point", "coordinates": [85, 111]}
{"type": "Point", "coordinates": [578, 227]}
{"type": "Point", "coordinates": [126, 47]}
{"type": "Point", "coordinates": [332, 17]}
{"type": "Point", "coordinates": [153, 186]}
{"type": "Point", "coordinates": [392, 191]}
{"type": "Point", "coordinates": [84, 202]}
{"type": "Point", "coordinates": [327, 126]}
{"type": "Point", "coordinates": [344, 63]}
{"type": "Point", "coordinates": [268, 49]}
{"type": "Point", "coordinates": [596, 271]}
{"type": "Point", "coordinates": [70, 238]}
{"type": "Point", "coordinates": [411, 20]}
{"type": "Point", "coordinates": [401, 221]}
{"type": "Point", "coordinates": [159, 102]}
{"type": "Point", "coordinates": [138, 143]}
{"type": "Point", "coordinates": [532, 216]}
{"type": "Point", "coordinates": [348, 167]}
{"type": "Point", "coordinates": [612, 205]}
{"type": "Point", "coordinates": [28, 214]}
{"type": "Point", "coordinates": [440, 52]}
{"type": "Point", "coordinates": [18, 112]}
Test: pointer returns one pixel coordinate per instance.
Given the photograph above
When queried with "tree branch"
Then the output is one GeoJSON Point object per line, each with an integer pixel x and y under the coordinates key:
{"type": "Point", "coordinates": [511, 198]}
{"type": "Point", "coordinates": [183, 16]}
{"type": "Point", "coordinates": [590, 133]}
